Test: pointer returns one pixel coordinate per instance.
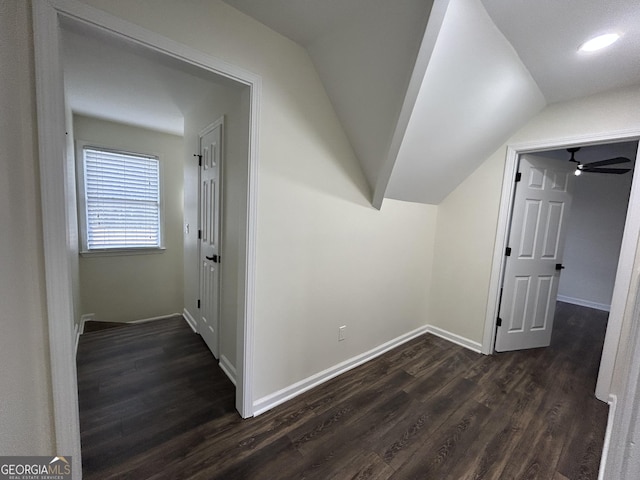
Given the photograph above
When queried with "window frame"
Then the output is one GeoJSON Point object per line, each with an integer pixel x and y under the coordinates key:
{"type": "Point", "coordinates": [81, 145]}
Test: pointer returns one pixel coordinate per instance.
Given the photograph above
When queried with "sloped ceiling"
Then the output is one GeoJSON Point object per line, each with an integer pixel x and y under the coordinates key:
{"type": "Point", "coordinates": [425, 89]}
{"type": "Point", "coordinates": [364, 52]}
{"type": "Point", "coordinates": [475, 93]}
{"type": "Point", "coordinates": [113, 80]}
{"type": "Point", "coordinates": [483, 68]}
{"type": "Point", "coordinates": [547, 33]}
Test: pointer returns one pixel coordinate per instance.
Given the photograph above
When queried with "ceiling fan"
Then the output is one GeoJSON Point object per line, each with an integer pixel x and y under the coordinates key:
{"type": "Point", "coordinates": [596, 167]}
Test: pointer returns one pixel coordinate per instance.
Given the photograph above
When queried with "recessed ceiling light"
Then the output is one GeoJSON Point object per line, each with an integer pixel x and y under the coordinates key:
{"type": "Point", "coordinates": [601, 41]}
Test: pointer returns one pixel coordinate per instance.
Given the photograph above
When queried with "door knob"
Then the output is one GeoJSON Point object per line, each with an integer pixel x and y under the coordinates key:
{"type": "Point", "coordinates": [213, 258]}
{"type": "Point", "coordinates": [559, 266]}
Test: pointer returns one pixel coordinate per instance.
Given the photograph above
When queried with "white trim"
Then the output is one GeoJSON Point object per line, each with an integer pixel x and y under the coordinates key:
{"type": "Point", "coordinates": [613, 401]}
{"type": "Point", "coordinates": [190, 320]}
{"type": "Point", "coordinates": [457, 339]}
{"type": "Point", "coordinates": [228, 368]}
{"type": "Point", "coordinates": [622, 461]}
{"type": "Point", "coordinates": [91, 317]}
{"type": "Point", "coordinates": [87, 317]}
{"type": "Point", "coordinates": [274, 399]}
{"type": "Point", "coordinates": [584, 303]}
{"type": "Point", "coordinates": [153, 319]}
{"type": "Point", "coordinates": [621, 287]}
{"type": "Point", "coordinates": [52, 146]}
{"type": "Point", "coordinates": [495, 279]}
{"type": "Point", "coordinates": [245, 330]}
{"type": "Point", "coordinates": [53, 192]}
{"type": "Point", "coordinates": [627, 251]}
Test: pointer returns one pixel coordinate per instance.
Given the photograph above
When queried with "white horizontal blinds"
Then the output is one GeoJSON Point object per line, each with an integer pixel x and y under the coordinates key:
{"type": "Point", "coordinates": [122, 195]}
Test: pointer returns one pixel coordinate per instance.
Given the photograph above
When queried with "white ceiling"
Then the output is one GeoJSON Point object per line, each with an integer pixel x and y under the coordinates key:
{"type": "Point", "coordinates": [454, 113]}
{"type": "Point", "coordinates": [546, 34]}
{"type": "Point", "coordinates": [425, 89]}
{"type": "Point", "coordinates": [305, 21]}
{"type": "Point", "coordinates": [114, 80]}
{"type": "Point", "coordinates": [474, 94]}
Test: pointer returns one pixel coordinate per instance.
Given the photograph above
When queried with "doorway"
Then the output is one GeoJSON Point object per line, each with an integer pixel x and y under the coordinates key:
{"type": "Point", "coordinates": [623, 272]}
{"type": "Point", "coordinates": [56, 192]}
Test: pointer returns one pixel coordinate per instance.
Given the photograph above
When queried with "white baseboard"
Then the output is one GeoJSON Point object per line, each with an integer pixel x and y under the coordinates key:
{"type": "Point", "coordinates": [584, 303]}
{"type": "Point", "coordinates": [87, 317]}
{"type": "Point", "coordinates": [457, 339]}
{"type": "Point", "coordinates": [274, 399]}
{"type": "Point", "coordinates": [270, 401]}
{"type": "Point", "coordinates": [228, 368]}
{"type": "Point", "coordinates": [79, 327]}
{"type": "Point", "coordinates": [613, 401]}
{"type": "Point", "coordinates": [153, 319]}
{"type": "Point", "coordinates": [190, 320]}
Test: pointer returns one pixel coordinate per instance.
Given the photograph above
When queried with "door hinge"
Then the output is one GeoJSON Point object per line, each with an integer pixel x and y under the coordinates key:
{"type": "Point", "coordinates": [199, 234]}
{"type": "Point", "coordinates": [199, 159]}
{"type": "Point", "coordinates": [498, 321]}
{"type": "Point", "coordinates": [518, 177]}
{"type": "Point", "coordinates": [198, 303]}
{"type": "Point", "coordinates": [507, 252]}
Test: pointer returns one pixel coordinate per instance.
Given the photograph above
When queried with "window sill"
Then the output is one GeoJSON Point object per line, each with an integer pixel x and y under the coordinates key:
{"type": "Point", "coordinates": [121, 252]}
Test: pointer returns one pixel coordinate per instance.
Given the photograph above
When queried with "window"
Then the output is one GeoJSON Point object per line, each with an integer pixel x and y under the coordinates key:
{"type": "Point", "coordinates": [120, 200]}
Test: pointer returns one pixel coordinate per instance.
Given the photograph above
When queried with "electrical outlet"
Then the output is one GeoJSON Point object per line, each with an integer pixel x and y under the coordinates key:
{"type": "Point", "coordinates": [341, 332]}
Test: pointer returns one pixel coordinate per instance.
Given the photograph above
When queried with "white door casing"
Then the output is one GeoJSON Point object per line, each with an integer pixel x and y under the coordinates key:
{"type": "Point", "coordinates": [210, 151]}
{"type": "Point", "coordinates": [541, 208]}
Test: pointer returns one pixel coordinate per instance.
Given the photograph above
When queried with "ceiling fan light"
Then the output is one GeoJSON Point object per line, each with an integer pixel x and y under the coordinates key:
{"type": "Point", "coordinates": [578, 172]}
{"type": "Point", "coordinates": [599, 42]}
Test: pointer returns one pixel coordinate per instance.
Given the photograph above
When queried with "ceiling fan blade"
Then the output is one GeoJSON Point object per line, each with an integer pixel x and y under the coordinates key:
{"type": "Point", "coordinates": [618, 171]}
{"type": "Point", "coordinates": [610, 161]}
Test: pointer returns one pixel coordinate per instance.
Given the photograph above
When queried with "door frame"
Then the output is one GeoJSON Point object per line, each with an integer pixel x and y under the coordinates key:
{"type": "Point", "coordinates": [631, 237]}
{"type": "Point", "coordinates": [220, 201]}
{"type": "Point", "coordinates": [47, 18]}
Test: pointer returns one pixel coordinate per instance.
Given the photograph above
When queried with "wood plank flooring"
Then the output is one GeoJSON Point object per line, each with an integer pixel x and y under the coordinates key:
{"type": "Point", "coordinates": [154, 405]}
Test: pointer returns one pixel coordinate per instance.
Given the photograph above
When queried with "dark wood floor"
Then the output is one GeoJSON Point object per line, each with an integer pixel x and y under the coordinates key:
{"type": "Point", "coordinates": [153, 405]}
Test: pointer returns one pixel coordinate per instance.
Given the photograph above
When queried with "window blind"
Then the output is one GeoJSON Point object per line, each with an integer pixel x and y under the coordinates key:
{"type": "Point", "coordinates": [122, 197]}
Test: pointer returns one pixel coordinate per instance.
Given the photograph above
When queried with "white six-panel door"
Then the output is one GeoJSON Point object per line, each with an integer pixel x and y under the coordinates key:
{"type": "Point", "coordinates": [536, 241]}
{"type": "Point", "coordinates": [210, 151]}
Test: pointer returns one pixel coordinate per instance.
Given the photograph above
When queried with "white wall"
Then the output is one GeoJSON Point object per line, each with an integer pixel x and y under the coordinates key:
{"type": "Point", "coordinates": [467, 218]}
{"type": "Point", "coordinates": [26, 426]}
{"type": "Point", "coordinates": [231, 104]}
{"type": "Point", "coordinates": [325, 258]}
{"type": "Point", "coordinates": [123, 288]}
{"type": "Point", "coordinates": [594, 230]}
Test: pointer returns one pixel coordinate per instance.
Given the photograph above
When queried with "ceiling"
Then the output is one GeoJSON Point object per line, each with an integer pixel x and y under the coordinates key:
{"type": "Point", "coordinates": [425, 89]}
{"type": "Point", "coordinates": [113, 80]}
{"type": "Point", "coordinates": [593, 153]}
{"type": "Point", "coordinates": [546, 34]}
{"type": "Point", "coordinates": [483, 69]}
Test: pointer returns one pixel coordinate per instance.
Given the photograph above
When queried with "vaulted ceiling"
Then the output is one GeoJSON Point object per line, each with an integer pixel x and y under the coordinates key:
{"type": "Point", "coordinates": [425, 90]}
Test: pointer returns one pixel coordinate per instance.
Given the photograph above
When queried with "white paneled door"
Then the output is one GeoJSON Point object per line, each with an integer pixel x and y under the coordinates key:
{"type": "Point", "coordinates": [534, 257]}
{"type": "Point", "coordinates": [209, 232]}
